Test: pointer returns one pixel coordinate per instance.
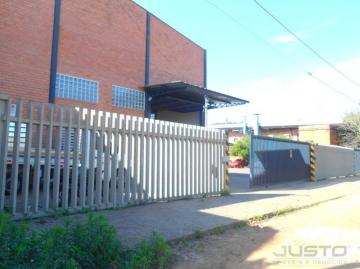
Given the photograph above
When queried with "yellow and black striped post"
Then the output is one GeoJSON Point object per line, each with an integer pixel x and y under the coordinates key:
{"type": "Point", "coordinates": [226, 165]}
{"type": "Point", "coordinates": [312, 162]}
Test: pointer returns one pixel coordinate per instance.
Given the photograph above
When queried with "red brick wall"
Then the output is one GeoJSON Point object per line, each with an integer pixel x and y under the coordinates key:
{"type": "Point", "coordinates": [334, 135]}
{"type": "Point", "coordinates": [104, 41]}
{"type": "Point", "coordinates": [173, 56]}
{"type": "Point", "coordinates": [99, 40]}
{"type": "Point", "coordinates": [25, 48]}
{"type": "Point", "coordinates": [292, 133]}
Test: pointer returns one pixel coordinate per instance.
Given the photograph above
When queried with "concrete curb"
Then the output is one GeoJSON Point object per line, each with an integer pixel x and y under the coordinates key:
{"type": "Point", "coordinates": [246, 222]}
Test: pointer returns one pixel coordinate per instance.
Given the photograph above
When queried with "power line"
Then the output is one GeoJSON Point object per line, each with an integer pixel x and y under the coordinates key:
{"type": "Point", "coordinates": [290, 60]}
{"type": "Point", "coordinates": [307, 46]}
{"type": "Point", "coordinates": [333, 88]}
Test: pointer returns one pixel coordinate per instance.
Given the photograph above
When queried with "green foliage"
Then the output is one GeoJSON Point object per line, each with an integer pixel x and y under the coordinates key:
{"type": "Point", "coordinates": [153, 253]}
{"type": "Point", "coordinates": [18, 245]}
{"type": "Point", "coordinates": [89, 245]}
{"type": "Point", "coordinates": [92, 244]}
{"type": "Point", "coordinates": [349, 132]}
{"type": "Point", "coordinates": [241, 148]}
{"type": "Point", "coordinates": [225, 193]}
{"type": "Point", "coordinates": [281, 136]}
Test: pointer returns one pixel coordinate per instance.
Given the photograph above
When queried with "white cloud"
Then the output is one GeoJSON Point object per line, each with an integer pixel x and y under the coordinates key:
{"type": "Point", "coordinates": [284, 38]}
{"type": "Point", "coordinates": [288, 38]}
{"type": "Point", "coordinates": [295, 100]}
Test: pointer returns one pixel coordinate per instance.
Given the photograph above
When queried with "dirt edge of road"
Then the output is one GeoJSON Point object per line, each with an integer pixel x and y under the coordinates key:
{"type": "Point", "coordinates": [196, 235]}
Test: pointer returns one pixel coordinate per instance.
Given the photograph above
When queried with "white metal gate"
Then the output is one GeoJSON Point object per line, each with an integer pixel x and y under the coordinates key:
{"type": "Point", "coordinates": [121, 159]}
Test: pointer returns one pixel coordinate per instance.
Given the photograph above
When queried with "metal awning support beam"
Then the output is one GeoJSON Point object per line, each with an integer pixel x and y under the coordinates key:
{"type": "Point", "coordinates": [206, 104]}
{"type": "Point", "coordinates": [184, 97]}
{"type": "Point", "coordinates": [175, 106]}
{"type": "Point", "coordinates": [185, 100]}
{"type": "Point", "coordinates": [222, 105]}
{"type": "Point", "coordinates": [165, 91]}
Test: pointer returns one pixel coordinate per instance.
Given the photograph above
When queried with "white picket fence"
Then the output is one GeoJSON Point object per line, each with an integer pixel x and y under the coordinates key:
{"type": "Point", "coordinates": [50, 157]}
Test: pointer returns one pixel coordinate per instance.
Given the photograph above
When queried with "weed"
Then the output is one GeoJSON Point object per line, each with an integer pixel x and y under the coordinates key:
{"type": "Point", "coordinates": [27, 218]}
{"type": "Point", "coordinates": [152, 253]}
{"type": "Point", "coordinates": [225, 193]}
{"type": "Point", "coordinates": [90, 244]}
{"type": "Point", "coordinates": [42, 221]}
{"type": "Point", "coordinates": [64, 212]}
{"type": "Point", "coordinates": [284, 211]}
{"type": "Point", "coordinates": [218, 229]}
{"type": "Point", "coordinates": [241, 224]}
{"type": "Point", "coordinates": [198, 234]}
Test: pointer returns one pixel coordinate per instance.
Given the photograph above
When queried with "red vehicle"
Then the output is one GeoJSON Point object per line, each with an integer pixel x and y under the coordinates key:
{"type": "Point", "coordinates": [238, 163]}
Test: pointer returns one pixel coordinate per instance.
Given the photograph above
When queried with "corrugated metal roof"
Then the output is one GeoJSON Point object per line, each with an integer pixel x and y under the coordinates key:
{"type": "Point", "coordinates": [184, 97]}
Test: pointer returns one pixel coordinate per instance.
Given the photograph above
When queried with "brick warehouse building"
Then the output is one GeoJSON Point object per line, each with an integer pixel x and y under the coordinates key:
{"type": "Point", "coordinates": [106, 55]}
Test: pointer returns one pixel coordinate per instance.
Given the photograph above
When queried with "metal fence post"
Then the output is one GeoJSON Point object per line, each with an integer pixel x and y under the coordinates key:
{"type": "Point", "coordinates": [312, 163]}
{"type": "Point", "coordinates": [4, 127]}
{"type": "Point", "coordinates": [226, 166]}
{"type": "Point", "coordinates": [251, 160]}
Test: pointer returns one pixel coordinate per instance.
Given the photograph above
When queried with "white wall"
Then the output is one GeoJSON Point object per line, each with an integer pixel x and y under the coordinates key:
{"type": "Point", "coordinates": [334, 161]}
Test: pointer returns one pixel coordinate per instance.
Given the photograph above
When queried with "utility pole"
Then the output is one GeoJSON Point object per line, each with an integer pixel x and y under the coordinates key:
{"type": "Point", "coordinates": [257, 125]}
{"type": "Point", "coordinates": [244, 126]}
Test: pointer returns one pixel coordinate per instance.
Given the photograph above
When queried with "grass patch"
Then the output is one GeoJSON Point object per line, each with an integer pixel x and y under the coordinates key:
{"type": "Point", "coordinates": [225, 193]}
{"type": "Point", "coordinates": [90, 244]}
{"type": "Point", "coordinates": [153, 253]}
{"type": "Point", "coordinates": [198, 234]}
{"type": "Point", "coordinates": [220, 229]}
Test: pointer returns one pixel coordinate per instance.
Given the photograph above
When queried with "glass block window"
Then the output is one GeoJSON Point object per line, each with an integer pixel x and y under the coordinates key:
{"type": "Point", "coordinates": [11, 137]}
{"type": "Point", "coordinates": [76, 88]}
{"type": "Point", "coordinates": [129, 98]}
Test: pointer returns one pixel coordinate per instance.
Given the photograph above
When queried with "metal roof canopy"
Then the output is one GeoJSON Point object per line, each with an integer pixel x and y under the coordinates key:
{"type": "Point", "coordinates": [184, 97]}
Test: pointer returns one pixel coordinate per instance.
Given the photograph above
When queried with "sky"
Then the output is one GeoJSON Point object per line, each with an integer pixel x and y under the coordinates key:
{"type": "Point", "coordinates": [262, 63]}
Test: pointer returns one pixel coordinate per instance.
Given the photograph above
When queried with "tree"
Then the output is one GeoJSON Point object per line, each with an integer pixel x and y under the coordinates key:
{"type": "Point", "coordinates": [241, 148]}
{"type": "Point", "coordinates": [349, 131]}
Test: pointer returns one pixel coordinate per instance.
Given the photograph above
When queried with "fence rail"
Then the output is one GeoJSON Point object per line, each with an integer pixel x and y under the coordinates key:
{"type": "Point", "coordinates": [64, 157]}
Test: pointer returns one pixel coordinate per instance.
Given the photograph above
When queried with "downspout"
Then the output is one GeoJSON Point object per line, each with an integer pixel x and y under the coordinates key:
{"type": "Point", "coordinates": [147, 65]}
{"type": "Point", "coordinates": [203, 113]}
{"type": "Point", "coordinates": [54, 51]}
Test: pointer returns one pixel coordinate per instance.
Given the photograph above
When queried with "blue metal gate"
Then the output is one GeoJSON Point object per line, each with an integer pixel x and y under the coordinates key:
{"type": "Point", "coordinates": [357, 161]}
{"type": "Point", "coordinates": [278, 160]}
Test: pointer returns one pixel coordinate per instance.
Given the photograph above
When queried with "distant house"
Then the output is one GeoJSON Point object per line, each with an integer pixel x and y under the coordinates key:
{"type": "Point", "coordinates": [289, 131]}
{"type": "Point", "coordinates": [326, 134]}
{"type": "Point", "coordinates": [235, 136]}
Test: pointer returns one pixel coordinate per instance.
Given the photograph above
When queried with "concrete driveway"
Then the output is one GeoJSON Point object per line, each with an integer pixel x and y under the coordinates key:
{"type": "Point", "coordinates": [239, 180]}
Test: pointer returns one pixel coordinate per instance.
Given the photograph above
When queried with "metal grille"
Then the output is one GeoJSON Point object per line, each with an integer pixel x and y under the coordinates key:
{"type": "Point", "coordinates": [129, 98]}
{"type": "Point", "coordinates": [76, 88]}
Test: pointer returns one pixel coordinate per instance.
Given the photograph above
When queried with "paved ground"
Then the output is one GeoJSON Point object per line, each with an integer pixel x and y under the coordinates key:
{"type": "Point", "coordinates": [181, 218]}
{"type": "Point", "coordinates": [323, 236]}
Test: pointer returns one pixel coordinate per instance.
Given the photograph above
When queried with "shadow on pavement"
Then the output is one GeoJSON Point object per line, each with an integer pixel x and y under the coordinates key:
{"type": "Point", "coordinates": [231, 249]}
{"type": "Point", "coordinates": [184, 217]}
